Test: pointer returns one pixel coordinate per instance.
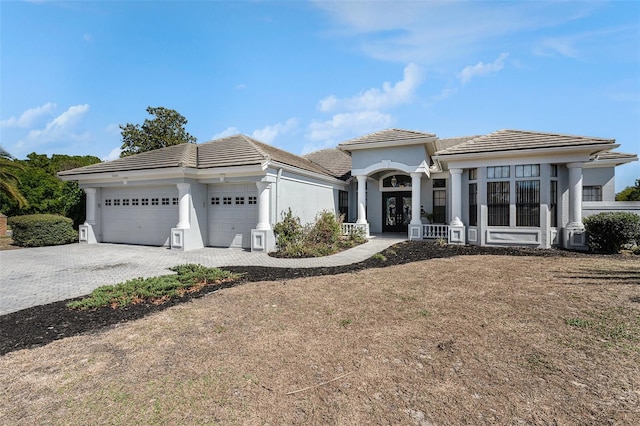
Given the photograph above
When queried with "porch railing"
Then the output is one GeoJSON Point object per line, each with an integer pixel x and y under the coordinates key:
{"type": "Point", "coordinates": [350, 228]}
{"type": "Point", "coordinates": [435, 232]}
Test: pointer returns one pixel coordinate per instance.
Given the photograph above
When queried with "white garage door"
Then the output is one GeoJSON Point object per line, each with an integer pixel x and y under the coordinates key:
{"type": "Point", "coordinates": [233, 213]}
{"type": "Point", "coordinates": [139, 215]}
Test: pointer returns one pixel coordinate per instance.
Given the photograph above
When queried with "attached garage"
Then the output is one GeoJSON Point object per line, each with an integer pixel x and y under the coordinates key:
{"type": "Point", "coordinates": [233, 213]}
{"type": "Point", "coordinates": [139, 215]}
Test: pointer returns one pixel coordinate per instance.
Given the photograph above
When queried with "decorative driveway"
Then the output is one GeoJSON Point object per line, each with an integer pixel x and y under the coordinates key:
{"type": "Point", "coordinates": [37, 276]}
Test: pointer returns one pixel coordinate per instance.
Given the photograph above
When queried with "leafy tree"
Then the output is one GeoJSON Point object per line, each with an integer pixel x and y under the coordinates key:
{"type": "Point", "coordinates": [166, 129]}
{"type": "Point", "coordinates": [44, 191]}
{"type": "Point", "coordinates": [630, 193]}
{"type": "Point", "coordinates": [9, 178]}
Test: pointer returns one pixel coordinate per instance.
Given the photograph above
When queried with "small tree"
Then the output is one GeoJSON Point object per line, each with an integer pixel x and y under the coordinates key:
{"type": "Point", "coordinates": [630, 193]}
{"type": "Point", "coordinates": [166, 129]}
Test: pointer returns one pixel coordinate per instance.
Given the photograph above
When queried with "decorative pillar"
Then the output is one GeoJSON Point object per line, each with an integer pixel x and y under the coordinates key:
{"type": "Point", "coordinates": [415, 227]}
{"type": "Point", "coordinates": [456, 227]}
{"type": "Point", "coordinates": [264, 194]}
{"type": "Point", "coordinates": [262, 238]}
{"type": "Point", "coordinates": [574, 236]}
{"type": "Point", "coordinates": [184, 205]}
{"type": "Point", "coordinates": [362, 199]}
{"type": "Point", "coordinates": [87, 231]}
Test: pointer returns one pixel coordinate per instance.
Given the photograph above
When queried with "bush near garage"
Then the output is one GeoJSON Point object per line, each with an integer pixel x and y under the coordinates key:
{"type": "Point", "coordinates": [39, 230]}
{"type": "Point", "coordinates": [323, 237]}
{"type": "Point", "coordinates": [610, 231]}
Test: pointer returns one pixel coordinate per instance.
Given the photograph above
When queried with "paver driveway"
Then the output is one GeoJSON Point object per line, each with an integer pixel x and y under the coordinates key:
{"type": "Point", "coordinates": [37, 276]}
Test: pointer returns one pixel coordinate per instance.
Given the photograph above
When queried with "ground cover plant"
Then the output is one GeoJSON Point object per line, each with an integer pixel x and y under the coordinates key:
{"type": "Point", "coordinates": [470, 335]}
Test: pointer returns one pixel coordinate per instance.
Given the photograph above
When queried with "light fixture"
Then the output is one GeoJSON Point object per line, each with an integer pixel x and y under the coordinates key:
{"type": "Point", "coordinates": [394, 181]}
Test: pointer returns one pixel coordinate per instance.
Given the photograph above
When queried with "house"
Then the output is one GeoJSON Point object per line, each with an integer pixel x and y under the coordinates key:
{"type": "Point", "coordinates": [510, 187]}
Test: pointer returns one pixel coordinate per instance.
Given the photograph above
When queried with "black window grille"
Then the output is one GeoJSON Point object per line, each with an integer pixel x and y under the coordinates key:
{"type": "Point", "coordinates": [343, 205]}
{"type": "Point", "coordinates": [553, 204]}
{"type": "Point", "coordinates": [473, 204]}
{"type": "Point", "coordinates": [591, 193]}
{"type": "Point", "coordinates": [498, 203]}
{"type": "Point", "coordinates": [528, 203]}
{"type": "Point", "coordinates": [439, 206]}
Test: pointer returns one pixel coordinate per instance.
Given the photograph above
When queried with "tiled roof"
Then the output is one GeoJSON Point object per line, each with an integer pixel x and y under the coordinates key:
{"type": "Point", "coordinates": [446, 143]}
{"type": "Point", "coordinates": [171, 156]}
{"type": "Point", "coordinates": [616, 157]}
{"type": "Point", "coordinates": [238, 150]}
{"type": "Point", "coordinates": [388, 135]}
{"type": "Point", "coordinates": [511, 140]}
{"type": "Point", "coordinates": [335, 161]}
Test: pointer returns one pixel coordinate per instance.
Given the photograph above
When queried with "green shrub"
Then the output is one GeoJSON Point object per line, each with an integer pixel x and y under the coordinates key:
{"type": "Point", "coordinates": [39, 230]}
{"type": "Point", "coordinates": [326, 230]}
{"type": "Point", "coordinates": [608, 232]}
{"type": "Point", "coordinates": [289, 232]}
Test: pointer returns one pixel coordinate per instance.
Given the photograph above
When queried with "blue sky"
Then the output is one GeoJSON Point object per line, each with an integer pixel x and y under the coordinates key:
{"type": "Point", "coordinates": [308, 75]}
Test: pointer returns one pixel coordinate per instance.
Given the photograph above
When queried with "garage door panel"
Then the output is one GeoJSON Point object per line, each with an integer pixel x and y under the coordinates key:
{"type": "Point", "coordinates": [232, 214]}
{"type": "Point", "coordinates": [139, 215]}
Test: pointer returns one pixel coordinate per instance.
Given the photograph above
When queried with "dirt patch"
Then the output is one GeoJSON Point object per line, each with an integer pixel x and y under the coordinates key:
{"type": "Point", "coordinates": [6, 243]}
{"type": "Point", "coordinates": [480, 339]}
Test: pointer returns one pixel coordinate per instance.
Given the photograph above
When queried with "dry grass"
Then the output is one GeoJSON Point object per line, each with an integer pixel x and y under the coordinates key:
{"type": "Point", "coordinates": [477, 339]}
{"type": "Point", "coordinates": [6, 243]}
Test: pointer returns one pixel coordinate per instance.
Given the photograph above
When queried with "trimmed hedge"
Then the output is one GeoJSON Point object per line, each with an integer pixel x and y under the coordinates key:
{"type": "Point", "coordinates": [610, 231]}
{"type": "Point", "coordinates": [39, 230]}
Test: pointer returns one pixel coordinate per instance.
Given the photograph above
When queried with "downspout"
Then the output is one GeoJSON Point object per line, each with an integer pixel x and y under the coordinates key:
{"type": "Point", "coordinates": [278, 194]}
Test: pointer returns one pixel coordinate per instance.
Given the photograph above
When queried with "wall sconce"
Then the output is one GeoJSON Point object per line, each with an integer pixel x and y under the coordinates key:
{"type": "Point", "coordinates": [394, 181]}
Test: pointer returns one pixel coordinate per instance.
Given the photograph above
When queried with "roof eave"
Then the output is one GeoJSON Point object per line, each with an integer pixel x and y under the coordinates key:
{"type": "Point", "coordinates": [589, 149]}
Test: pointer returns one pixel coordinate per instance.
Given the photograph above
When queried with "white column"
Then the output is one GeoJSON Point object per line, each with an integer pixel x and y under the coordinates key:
{"type": "Point", "coordinates": [91, 206]}
{"type": "Point", "coordinates": [362, 199]}
{"type": "Point", "coordinates": [456, 196]}
{"type": "Point", "coordinates": [415, 198]}
{"type": "Point", "coordinates": [264, 198]}
{"type": "Point", "coordinates": [184, 205]}
{"type": "Point", "coordinates": [575, 195]}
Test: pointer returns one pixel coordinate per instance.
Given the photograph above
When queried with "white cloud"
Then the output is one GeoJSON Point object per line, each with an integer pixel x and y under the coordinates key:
{"type": "Point", "coordinates": [481, 68]}
{"type": "Point", "coordinates": [30, 117]}
{"type": "Point", "coordinates": [61, 126]}
{"type": "Point", "coordinates": [345, 125]}
{"type": "Point", "coordinates": [388, 97]}
{"type": "Point", "coordinates": [268, 134]}
{"type": "Point", "coordinates": [229, 131]}
{"type": "Point", "coordinates": [440, 32]}
{"type": "Point", "coordinates": [113, 155]}
{"type": "Point", "coordinates": [87, 37]}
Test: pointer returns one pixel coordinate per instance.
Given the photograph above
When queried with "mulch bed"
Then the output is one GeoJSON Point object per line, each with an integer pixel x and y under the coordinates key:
{"type": "Point", "coordinates": [43, 324]}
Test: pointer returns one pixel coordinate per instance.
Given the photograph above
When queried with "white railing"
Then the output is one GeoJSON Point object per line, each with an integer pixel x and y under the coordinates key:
{"type": "Point", "coordinates": [435, 232]}
{"type": "Point", "coordinates": [350, 228]}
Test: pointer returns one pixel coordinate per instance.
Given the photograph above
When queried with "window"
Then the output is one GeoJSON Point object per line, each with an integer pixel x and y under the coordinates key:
{"type": "Point", "coordinates": [239, 201]}
{"type": "Point", "coordinates": [473, 174]}
{"type": "Point", "coordinates": [528, 170]}
{"type": "Point", "coordinates": [497, 172]}
{"type": "Point", "coordinates": [165, 201]}
{"type": "Point", "coordinates": [553, 204]}
{"type": "Point", "coordinates": [473, 204]}
{"type": "Point", "coordinates": [135, 201]}
{"type": "Point", "coordinates": [252, 199]}
{"type": "Point", "coordinates": [591, 193]}
{"type": "Point", "coordinates": [107, 202]}
{"type": "Point", "coordinates": [554, 170]}
{"type": "Point", "coordinates": [145, 201]}
{"type": "Point", "coordinates": [439, 183]}
{"type": "Point", "coordinates": [226, 201]}
{"type": "Point", "coordinates": [343, 204]}
{"type": "Point", "coordinates": [154, 201]}
{"type": "Point", "coordinates": [528, 203]}
{"type": "Point", "coordinates": [215, 201]}
{"type": "Point", "coordinates": [116, 202]}
{"type": "Point", "coordinates": [498, 203]}
{"type": "Point", "coordinates": [439, 206]}
{"type": "Point", "coordinates": [174, 201]}
{"type": "Point", "coordinates": [397, 181]}
{"type": "Point", "coordinates": [125, 202]}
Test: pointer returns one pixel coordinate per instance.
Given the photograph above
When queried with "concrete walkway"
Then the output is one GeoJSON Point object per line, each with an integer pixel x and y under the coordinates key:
{"type": "Point", "coordinates": [37, 276]}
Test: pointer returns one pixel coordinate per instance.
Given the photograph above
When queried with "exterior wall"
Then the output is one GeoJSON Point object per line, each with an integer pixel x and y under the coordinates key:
{"type": "Point", "coordinates": [590, 208]}
{"type": "Point", "coordinates": [197, 235]}
{"type": "Point", "coordinates": [603, 177]}
{"type": "Point", "coordinates": [3, 225]}
{"type": "Point", "coordinates": [374, 205]}
{"type": "Point", "coordinates": [410, 155]}
{"type": "Point", "coordinates": [306, 199]}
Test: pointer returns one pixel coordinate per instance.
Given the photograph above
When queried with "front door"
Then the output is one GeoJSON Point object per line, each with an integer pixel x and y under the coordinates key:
{"type": "Point", "coordinates": [396, 211]}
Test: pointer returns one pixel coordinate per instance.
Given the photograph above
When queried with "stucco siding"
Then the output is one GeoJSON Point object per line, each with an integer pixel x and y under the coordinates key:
{"type": "Point", "coordinates": [409, 155]}
{"type": "Point", "coordinates": [603, 177]}
{"type": "Point", "coordinates": [305, 200]}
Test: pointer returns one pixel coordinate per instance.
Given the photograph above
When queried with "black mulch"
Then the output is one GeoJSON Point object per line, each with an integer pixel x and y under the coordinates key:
{"type": "Point", "coordinates": [40, 325]}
